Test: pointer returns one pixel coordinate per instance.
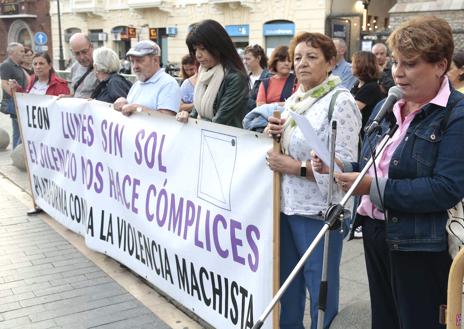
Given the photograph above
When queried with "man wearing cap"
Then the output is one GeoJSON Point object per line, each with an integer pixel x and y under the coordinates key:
{"type": "Point", "coordinates": [83, 78]}
{"type": "Point", "coordinates": [155, 90]}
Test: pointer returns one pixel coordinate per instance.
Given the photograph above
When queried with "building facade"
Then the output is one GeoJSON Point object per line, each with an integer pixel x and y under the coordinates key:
{"type": "Point", "coordinates": [20, 20]}
{"type": "Point", "coordinates": [118, 24]}
{"type": "Point", "coordinates": [450, 10]}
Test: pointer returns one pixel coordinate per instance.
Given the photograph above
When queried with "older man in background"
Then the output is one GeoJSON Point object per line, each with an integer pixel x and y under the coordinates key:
{"type": "Point", "coordinates": [83, 79]}
{"type": "Point", "coordinates": [342, 67]}
{"type": "Point", "coordinates": [155, 90]}
{"type": "Point", "coordinates": [13, 78]}
{"type": "Point", "coordinates": [386, 79]}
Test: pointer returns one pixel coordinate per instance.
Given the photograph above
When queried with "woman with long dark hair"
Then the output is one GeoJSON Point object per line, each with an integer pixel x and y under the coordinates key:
{"type": "Point", "coordinates": [221, 92]}
{"type": "Point", "coordinates": [44, 81]}
{"type": "Point", "coordinates": [366, 90]}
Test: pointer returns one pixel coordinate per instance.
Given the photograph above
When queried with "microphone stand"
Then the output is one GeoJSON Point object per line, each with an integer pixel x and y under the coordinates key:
{"type": "Point", "coordinates": [331, 222]}
{"type": "Point", "coordinates": [324, 287]}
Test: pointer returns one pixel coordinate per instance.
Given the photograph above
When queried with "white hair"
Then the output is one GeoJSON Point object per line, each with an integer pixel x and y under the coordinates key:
{"type": "Point", "coordinates": [341, 42]}
{"type": "Point", "coordinates": [106, 60]}
{"type": "Point", "coordinates": [12, 47]}
{"type": "Point", "coordinates": [381, 45]}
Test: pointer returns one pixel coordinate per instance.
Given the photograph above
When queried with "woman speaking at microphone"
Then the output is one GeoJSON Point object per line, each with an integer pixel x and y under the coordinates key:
{"type": "Point", "coordinates": [419, 175]}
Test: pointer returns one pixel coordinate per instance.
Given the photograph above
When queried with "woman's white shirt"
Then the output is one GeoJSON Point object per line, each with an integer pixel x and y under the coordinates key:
{"type": "Point", "coordinates": [300, 195]}
{"type": "Point", "coordinates": [39, 88]}
{"type": "Point", "coordinates": [253, 79]}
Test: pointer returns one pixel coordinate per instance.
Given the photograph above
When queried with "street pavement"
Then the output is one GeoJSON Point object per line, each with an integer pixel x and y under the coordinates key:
{"type": "Point", "coordinates": [50, 279]}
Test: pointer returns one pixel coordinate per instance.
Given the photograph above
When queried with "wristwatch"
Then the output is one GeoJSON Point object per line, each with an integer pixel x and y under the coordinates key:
{"type": "Point", "coordinates": [303, 169]}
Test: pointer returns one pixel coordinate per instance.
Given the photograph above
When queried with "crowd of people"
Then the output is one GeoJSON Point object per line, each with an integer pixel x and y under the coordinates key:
{"type": "Point", "coordinates": [401, 204]}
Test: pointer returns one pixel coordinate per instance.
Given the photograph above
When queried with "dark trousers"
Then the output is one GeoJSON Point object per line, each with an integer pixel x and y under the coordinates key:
{"type": "Point", "coordinates": [406, 287]}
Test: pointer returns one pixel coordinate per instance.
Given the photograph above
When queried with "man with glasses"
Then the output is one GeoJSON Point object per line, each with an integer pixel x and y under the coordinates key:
{"type": "Point", "coordinates": [83, 79]}
{"type": "Point", "coordinates": [155, 90]}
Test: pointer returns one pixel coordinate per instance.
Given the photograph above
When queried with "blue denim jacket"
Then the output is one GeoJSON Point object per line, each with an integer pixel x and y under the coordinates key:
{"type": "Point", "coordinates": [425, 177]}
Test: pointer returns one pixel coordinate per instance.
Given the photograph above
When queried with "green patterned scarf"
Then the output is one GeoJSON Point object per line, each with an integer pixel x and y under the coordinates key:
{"type": "Point", "coordinates": [300, 102]}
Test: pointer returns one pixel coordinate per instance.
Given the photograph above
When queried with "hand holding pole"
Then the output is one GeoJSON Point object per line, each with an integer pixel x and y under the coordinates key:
{"type": "Point", "coordinates": [332, 219]}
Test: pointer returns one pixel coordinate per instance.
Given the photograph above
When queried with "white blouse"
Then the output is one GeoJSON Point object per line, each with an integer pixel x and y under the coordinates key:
{"type": "Point", "coordinates": [300, 195]}
{"type": "Point", "coordinates": [39, 88]}
{"type": "Point", "coordinates": [253, 79]}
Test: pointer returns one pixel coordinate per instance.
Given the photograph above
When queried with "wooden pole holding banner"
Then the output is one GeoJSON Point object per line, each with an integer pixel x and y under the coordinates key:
{"type": "Point", "coordinates": [454, 299]}
{"type": "Point", "coordinates": [276, 241]}
{"type": "Point", "coordinates": [35, 209]}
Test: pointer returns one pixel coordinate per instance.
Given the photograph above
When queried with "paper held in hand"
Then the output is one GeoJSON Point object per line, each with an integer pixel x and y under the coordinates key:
{"type": "Point", "coordinates": [313, 140]}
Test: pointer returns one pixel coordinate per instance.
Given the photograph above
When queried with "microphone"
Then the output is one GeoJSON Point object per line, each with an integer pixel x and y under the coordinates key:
{"type": "Point", "coordinates": [395, 93]}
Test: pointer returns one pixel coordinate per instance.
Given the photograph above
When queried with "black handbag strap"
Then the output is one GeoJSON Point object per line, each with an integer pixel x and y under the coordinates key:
{"type": "Point", "coordinates": [82, 78]}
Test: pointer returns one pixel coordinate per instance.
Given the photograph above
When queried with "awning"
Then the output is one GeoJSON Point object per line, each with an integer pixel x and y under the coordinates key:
{"type": "Point", "coordinates": [18, 16]}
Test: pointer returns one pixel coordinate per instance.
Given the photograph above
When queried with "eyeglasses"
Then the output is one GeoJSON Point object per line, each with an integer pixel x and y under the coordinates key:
{"type": "Point", "coordinates": [82, 51]}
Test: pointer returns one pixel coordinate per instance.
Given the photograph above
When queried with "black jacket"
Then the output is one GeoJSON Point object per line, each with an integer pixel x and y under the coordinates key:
{"type": "Point", "coordinates": [111, 89]}
{"type": "Point", "coordinates": [254, 91]}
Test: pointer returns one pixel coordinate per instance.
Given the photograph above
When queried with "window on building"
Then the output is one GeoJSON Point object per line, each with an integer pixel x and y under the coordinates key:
{"type": "Point", "coordinates": [96, 37]}
{"type": "Point", "coordinates": [121, 40]}
{"type": "Point", "coordinates": [25, 38]}
{"type": "Point", "coordinates": [69, 32]}
{"type": "Point", "coordinates": [277, 33]}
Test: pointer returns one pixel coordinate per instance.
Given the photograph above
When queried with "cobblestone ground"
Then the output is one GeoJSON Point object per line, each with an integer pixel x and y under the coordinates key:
{"type": "Point", "coordinates": [46, 283]}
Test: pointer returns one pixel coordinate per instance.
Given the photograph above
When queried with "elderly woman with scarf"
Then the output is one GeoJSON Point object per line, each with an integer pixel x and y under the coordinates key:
{"type": "Point", "coordinates": [221, 92]}
{"type": "Point", "coordinates": [305, 192]}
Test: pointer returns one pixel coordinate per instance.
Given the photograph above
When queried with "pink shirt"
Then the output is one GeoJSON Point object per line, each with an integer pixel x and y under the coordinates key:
{"type": "Point", "coordinates": [366, 207]}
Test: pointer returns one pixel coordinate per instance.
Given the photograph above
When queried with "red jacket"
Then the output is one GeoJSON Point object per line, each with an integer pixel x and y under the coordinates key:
{"type": "Point", "coordinates": [56, 86]}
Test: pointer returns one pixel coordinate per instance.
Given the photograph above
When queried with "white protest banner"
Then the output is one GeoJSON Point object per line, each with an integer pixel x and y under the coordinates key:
{"type": "Point", "coordinates": [186, 206]}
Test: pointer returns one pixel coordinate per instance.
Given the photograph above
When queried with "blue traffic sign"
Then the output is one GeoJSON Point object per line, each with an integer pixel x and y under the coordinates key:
{"type": "Point", "coordinates": [40, 38]}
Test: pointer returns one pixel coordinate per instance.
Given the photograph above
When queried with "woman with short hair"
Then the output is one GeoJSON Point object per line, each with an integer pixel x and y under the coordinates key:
{"type": "Point", "coordinates": [304, 193]}
{"type": "Point", "coordinates": [44, 81]}
{"type": "Point", "coordinates": [403, 202]}
{"type": "Point", "coordinates": [280, 86]}
{"type": "Point", "coordinates": [112, 85]}
{"type": "Point", "coordinates": [221, 92]}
